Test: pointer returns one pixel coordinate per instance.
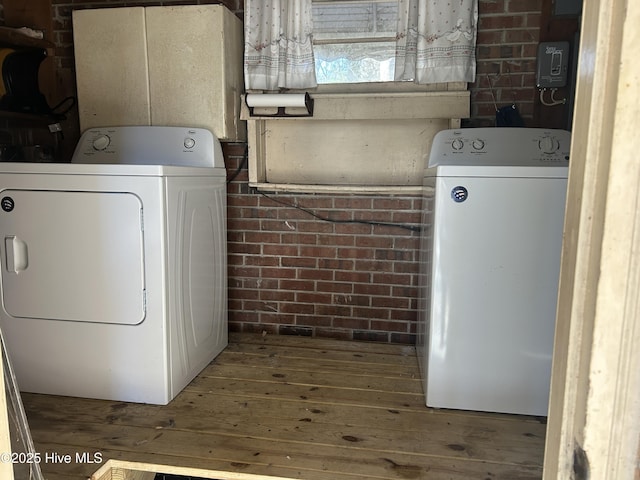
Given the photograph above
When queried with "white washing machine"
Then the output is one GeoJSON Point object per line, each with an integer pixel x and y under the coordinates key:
{"type": "Point", "coordinates": [113, 267]}
{"type": "Point", "coordinates": [493, 214]}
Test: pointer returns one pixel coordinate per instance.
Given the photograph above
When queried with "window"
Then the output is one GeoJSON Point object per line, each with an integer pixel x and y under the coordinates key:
{"type": "Point", "coordinates": [354, 41]}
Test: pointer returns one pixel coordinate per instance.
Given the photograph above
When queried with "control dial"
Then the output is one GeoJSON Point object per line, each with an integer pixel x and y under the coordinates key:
{"type": "Point", "coordinates": [457, 144]}
{"type": "Point", "coordinates": [101, 142]}
{"type": "Point", "coordinates": [189, 142]}
{"type": "Point", "coordinates": [478, 144]}
{"type": "Point", "coordinates": [548, 144]}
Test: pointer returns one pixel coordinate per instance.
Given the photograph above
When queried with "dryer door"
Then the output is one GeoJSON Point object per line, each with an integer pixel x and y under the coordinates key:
{"type": "Point", "coordinates": [74, 256]}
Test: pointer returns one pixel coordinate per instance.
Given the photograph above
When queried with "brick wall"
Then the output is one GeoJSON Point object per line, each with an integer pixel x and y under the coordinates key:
{"type": "Point", "coordinates": [292, 273]}
{"type": "Point", "coordinates": [508, 36]}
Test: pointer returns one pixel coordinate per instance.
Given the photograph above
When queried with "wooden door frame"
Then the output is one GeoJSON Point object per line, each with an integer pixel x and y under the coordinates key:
{"type": "Point", "coordinates": [593, 422]}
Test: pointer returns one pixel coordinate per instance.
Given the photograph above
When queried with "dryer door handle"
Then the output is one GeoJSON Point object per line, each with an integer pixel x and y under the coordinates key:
{"type": "Point", "coordinates": [17, 255]}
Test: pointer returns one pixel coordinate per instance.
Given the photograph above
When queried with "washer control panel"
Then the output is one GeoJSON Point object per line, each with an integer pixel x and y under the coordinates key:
{"type": "Point", "coordinates": [148, 145]}
{"type": "Point", "coordinates": [500, 146]}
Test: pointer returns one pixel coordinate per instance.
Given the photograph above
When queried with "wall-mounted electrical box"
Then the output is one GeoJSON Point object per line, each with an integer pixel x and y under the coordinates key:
{"type": "Point", "coordinates": [553, 61]}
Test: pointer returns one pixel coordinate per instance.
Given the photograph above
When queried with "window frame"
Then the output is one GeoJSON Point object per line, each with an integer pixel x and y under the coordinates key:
{"type": "Point", "coordinates": [367, 87]}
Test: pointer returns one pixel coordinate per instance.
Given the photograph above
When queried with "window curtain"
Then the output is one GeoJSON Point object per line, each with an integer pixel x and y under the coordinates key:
{"type": "Point", "coordinates": [278, 50]}
{"type": "Point", "coordinates": [436, 40]}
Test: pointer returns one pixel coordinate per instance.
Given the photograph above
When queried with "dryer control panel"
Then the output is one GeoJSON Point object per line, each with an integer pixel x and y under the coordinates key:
{"type": "Point", "coordinates": [149, 145]}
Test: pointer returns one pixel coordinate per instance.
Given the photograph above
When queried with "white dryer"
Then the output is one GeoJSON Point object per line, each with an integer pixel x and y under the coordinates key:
{"type": "Point", "coordinates": [113, 267]}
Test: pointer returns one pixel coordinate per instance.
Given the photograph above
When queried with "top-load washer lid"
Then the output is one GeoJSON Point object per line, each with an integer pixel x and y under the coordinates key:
{"type": "Point", "coordinates": [499, 152]}
{"type": "Point", "coordinates": [149, 145]}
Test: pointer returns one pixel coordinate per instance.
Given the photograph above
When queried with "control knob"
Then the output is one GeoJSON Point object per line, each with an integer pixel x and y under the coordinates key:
{"type": "Point", "coordinates": [457, 144]}
{"type": "Point", "coordinates": [189, 142]}
{"type": "Point", "coordinates": [548, 145]}
{"type": "Point", "coordinates": [478, 144]}
{"type": "Point", "coordinates": [101, 142]}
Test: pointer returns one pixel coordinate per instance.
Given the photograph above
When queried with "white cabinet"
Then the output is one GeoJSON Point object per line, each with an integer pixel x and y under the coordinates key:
{"type": "Point", "coordinates": [173, 66]}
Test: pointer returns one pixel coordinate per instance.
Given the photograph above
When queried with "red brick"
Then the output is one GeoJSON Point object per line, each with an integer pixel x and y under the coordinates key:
{"type": "Point", "coordinates": [374, 266]}
{"type": "Point", "coordinates": [337, 240]}
{"type": "Point", "coordinates": [299, 308]}
{"type": "Point", "coordinates": [240, 224]}
{"type": "Point", "coordinates": [259, 283]}
{"type": "Point", "coordinates": [501, 22]}
{"type": "Point", "coordinates": [377, 242]}
{"type": "Point", "coordinates": [389, 326]}
{"type": "Point", "coordinates": [336, 264]}
{"type": "Point", "coordinates": [315, 274]}
{"type": "Point", "coordinates": [277, 318]}
{"type": "Point", "coordinates": [362, 300]}
{"type": "Point", "coordinates": [334, 311]}
{"type": "Point", "coordinates": [297, 285]}
{"type": "Point", "coordinates": [393, 255]}
{"type": "Point", "coordinates": [354, 277]}
{"type": "Point", "coordinates": [352, 203]}
{"type": "Point", "coordinates": [306, 262]}
{"type": "Point", "coordinates": [317, 251]}
{"type": "Point", "coordinates": [260, 237]}
{"type": "Point", "coordinates": [236, 271]}
{"type": "Point", "coordinates": [261, 260]}
{"type": "Point", "coordinates": [524, 35]}
{"type": "Point", "coordinates": [491, 37]}
{"type": "Point", "coordinates": [406, 267]}
{"type": "Point", "coordinates": [277, 272]}
{"type": "Point", "coordinates": [408, 315]}
{"type": "Point", "coordinates": [409, 291]}
{"type": "Point", "coordinates": [280, 250]}
{"type": "Point", "coordinates": [411, 243]}
{"type": "Point", "coordinates": [371, 313]}
{"type": "Point", "coordinates": [314, 297]}
{"type": "Point", "coordinates": [335, 287]}
{"type": "Point", "coordinates": [392, 203]}
{"type": "Point", "coordinates": [276, 295]}
{"type": "Point", "coordinates": [259, 306]}
{"type": "Point", "coordinates": [379, 290]}
{"type": "Point", "coordinates": [351, 323]}
{"type": "Point", "coordinates": [390, 302]}
{"type": "Point", "coordinates": [491, 6]}
{"type": "Point", "coordinates": [315, 226]}
{"type": "Point", "coordinates": [299, 238]}
{"type": "Point", "coordinates": [352, 229]}
{"type": "Point", "coordinates": [392, 279]}
{"type": "Point", "coordinates": [516, 6]}
{"type": "Point", "coordinates": [243, 248]}
{"type": "Point", "coordinates": [354, 253]}
{"type": "Point", "coordinates": [313, 321]}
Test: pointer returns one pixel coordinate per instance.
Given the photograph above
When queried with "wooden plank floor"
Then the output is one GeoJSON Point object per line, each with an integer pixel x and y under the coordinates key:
{"type": "Point", "coordinates": [295, 407]}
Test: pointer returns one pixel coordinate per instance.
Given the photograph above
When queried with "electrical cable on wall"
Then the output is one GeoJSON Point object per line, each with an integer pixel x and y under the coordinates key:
{"type": "Point", "coordinates": [413, 228]}
{"type": "Point", "coordinates": [553, 101]}
{"type": "Point", "coordinates": [245, 157]}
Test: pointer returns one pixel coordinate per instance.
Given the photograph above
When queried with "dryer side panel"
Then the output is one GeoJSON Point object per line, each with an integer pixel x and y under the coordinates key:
{"type": "Point", "coordinates": [72, 255]}
{"type": "Point", "coordinates": [198, 283]}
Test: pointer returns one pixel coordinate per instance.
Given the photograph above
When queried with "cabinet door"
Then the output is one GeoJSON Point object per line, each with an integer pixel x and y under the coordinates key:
{"type": "Point", "coordinates": [195, 68]}
{"type": "Point", "coordinates": [111, 67]}
{"type": "Point", "coordinates": [74, 256]}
